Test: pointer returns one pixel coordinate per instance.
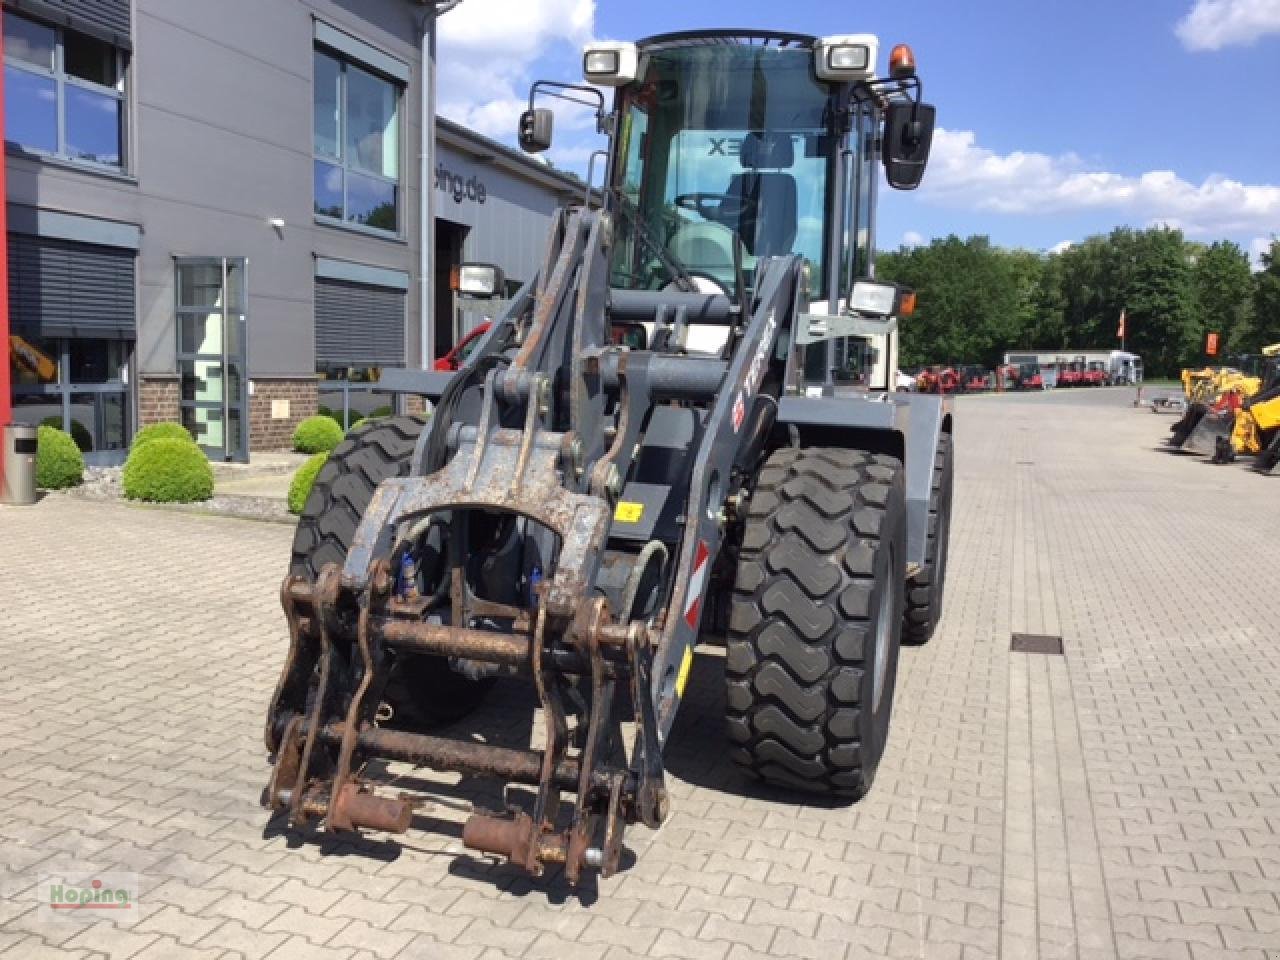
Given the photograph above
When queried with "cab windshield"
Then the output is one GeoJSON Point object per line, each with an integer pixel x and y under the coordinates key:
{"type": "Point", "coordinates": [725, 152]}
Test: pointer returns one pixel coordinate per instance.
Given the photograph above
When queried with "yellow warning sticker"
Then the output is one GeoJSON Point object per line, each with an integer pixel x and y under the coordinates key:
{"type": "Point", "coordinates": [628, 512]}
{"type": "Point", "coordinates": [686, 664]}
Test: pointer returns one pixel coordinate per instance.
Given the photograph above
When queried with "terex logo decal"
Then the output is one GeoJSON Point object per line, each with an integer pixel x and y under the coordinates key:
{"type": "Point", "coordinates": [755, 372]}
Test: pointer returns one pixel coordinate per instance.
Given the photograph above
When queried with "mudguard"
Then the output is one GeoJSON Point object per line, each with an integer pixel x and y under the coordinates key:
{"type": "Point", "coordinates": [906, 425]}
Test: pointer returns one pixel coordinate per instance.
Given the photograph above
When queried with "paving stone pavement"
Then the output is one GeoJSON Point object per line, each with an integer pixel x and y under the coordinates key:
{"type": "Point", "coordinates": [1120, 801]}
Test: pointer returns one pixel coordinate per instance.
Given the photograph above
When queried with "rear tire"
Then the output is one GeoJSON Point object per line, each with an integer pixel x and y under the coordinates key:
{"type": "Point", "coordinates": [925, 589]}
{"type": "Point", "coordinates": [816, 620]}
{"type": "Point", "coordinates": [422, 689]}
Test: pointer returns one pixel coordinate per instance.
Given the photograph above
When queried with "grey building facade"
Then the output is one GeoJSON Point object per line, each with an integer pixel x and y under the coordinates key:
{"type": "Point", "coordinates": [213, 212]}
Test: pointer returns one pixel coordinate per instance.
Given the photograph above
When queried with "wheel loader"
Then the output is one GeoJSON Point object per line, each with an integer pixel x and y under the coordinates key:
{"type": "Point", "coordinates": [1254, 427]}
{"type": "Point", "coordinates": [653, 447]}
{"type": "Point", "coordinates": [1213, 422]}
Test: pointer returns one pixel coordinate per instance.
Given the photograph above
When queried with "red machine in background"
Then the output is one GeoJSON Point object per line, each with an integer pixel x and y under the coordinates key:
{"type": "Point", "coordinates": [938, 380]}
{"type": "Point", "coordinates": [1021, 376]}
{"type": "Point", "coordinates": [1096, 375]}
{"type": "Point", "coordinates": [976, 380]}
{"type": "Point", "coordinates": [927, 380]}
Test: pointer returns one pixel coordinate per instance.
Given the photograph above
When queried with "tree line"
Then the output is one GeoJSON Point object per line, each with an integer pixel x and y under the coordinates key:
{"type": "Point", "coordinates": [976, 300]}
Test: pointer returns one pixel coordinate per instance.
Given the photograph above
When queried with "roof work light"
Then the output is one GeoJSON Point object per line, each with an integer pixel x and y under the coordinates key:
{"type": "Point", "coordinates": [609, 63]}
{"type": "Point", "coordinates": [849, 57]}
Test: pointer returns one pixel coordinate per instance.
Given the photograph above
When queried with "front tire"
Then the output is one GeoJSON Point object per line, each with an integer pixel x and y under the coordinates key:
{"type": "Point", "coordinates": [816, 620]}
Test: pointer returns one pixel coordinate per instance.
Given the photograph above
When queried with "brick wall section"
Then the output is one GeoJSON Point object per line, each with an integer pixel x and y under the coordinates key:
{"type": "Point", "coordinates": [267, 433]}
{"type": "Point", "coordinates": [158, 400]}
{"type": "Point", "coordinates": [414, 404]}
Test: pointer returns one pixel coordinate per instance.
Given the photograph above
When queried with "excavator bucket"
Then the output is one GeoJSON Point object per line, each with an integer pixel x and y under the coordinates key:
{"type": "Point", "coordinates": [1269, 459]}
{"type": "Point", "coordinates": [1213, 426]}
{"type": "Point", "coordinates": [1182, 430]}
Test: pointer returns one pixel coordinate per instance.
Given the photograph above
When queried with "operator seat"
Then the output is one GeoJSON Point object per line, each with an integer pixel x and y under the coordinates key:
{"type": "Point", "coordinates": [766, 196]}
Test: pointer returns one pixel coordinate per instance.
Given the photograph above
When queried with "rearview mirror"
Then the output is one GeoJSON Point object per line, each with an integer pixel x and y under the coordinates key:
{"type": "Point", "coordinates": [908, 134]}
{"type": "Point", "coordinates": [535, 130]}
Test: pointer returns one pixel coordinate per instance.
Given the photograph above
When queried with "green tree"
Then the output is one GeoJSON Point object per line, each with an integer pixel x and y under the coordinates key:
{"type": "Point", "coordinates": [1266, 299]}
{"type": "Point", "coordinates": [1048, 323]}
{"type": "Point", "coordinates": [1223, 294]}
{"type": "Point", "coordinates": [970, 300]}
{"type": "Point", "coordinates": [1158, 297]}
{"type": "Point", "coordinates": [1088, 275]}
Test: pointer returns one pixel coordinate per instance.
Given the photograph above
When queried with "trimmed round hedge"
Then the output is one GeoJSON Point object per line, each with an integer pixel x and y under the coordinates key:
{"type": "Point", "coordinates": [79, 432]}
{"type": "Point", "coordinates": [318, 434]}
{"type": "Point", "coordinates": [161, 431]}
{"type": "Point", "coordinates": [59, 463]}
{"type": "Point", "coordinates": [168, 470]}
{"type": "Point", "coordinates": [303, 479]}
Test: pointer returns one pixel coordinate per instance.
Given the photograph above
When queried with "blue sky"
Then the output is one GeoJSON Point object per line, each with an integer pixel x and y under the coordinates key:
{"type": "Point", "coordinates": [1056, 120]}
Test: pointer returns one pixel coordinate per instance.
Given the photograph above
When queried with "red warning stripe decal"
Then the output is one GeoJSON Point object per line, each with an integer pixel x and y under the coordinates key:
{"type": "Point", "coordinates": [696, 584]}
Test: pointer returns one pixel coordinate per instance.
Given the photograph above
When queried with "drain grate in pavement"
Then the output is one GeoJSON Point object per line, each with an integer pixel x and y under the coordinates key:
{"type": "Point", "coordinates": [1036, 643]}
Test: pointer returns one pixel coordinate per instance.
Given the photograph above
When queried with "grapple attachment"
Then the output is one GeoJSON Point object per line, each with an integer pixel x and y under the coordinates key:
{"type": "Point", "coordinates": [347, 630]}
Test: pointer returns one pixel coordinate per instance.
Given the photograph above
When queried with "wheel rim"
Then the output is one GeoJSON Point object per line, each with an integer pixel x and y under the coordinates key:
{"type": "Point", "coordinates": [884, 634]}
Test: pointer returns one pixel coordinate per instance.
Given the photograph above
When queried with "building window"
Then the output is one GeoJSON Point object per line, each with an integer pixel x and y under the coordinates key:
{"type": "Point", "coordinates": [357, 144]}
{"type": "Point", "coordinates": [64, 92]}
{"type": "Point", "coordinates": [75, 384]}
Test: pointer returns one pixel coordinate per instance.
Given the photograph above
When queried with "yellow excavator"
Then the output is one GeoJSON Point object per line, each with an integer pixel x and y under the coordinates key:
{"type": "Point", "coordinates": [1196, 384]}
{"type": "Point", "coordinates": [27, 356]}
{"type": "Point", "coordinates": [1255, 428]}
{"type": "Point", "coordinates": [1213, 396]}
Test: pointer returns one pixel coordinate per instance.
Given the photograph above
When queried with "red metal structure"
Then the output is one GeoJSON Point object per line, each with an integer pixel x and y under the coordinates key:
{"type": "Point", "coordinates": [6, 388]}
{"type": "Point", "coordinates": [455, 357]}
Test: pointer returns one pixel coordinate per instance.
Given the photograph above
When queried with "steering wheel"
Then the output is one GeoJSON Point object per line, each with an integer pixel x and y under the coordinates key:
{"type": "Point", "coordinates": [711, 206]}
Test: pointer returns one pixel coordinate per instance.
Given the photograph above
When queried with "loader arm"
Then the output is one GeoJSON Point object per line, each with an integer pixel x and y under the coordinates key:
{"type": "Point", "coordinates": [514, 443]}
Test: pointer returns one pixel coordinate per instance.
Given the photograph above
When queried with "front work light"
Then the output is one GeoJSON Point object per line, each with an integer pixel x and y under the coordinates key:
{"type": "Point", "coordinates": [846, 58]}
{"type": "Point", "coordinates": [610, 64]}
{"type": "Point", "coordinates": [879, 299]}
{"type": "Point", "coordinates": [479, 280]}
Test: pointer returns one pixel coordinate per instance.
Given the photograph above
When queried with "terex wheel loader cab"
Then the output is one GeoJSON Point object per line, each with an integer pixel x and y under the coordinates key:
{"type": "Point", "coordinates": [684, 426]}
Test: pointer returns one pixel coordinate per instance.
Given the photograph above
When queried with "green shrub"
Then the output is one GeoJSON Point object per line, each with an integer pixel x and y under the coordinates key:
{"type": "Point", "coordinates": [79, 432]}
{"type": "Point", "coordinates": [168, 470]}
{"type": "Point", "coordinates": [161, 431]}
{"type": "Point", "coordinates": [318, 434]}
{"type": "Point", "coordinates": [334, 415]}
{"type": "Point", "coordinates": [377, 412]}
{"type": "Point", "coordinates": [300, 485]}
{"type": "Point", "coordinates": [59, 463]}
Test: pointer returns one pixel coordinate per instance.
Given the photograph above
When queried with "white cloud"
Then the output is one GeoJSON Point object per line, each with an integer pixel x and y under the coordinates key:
{"type": "Point", "coordinates": [1062, 246]}
{"type": "Point", "coordinates": [1214, 24]}
{"type": "Point", "coordinates": [966, 175]}
{"type": "Point", "coordinates": [487, 50]}
{"type": "Point", "coordinates": [913, 238]}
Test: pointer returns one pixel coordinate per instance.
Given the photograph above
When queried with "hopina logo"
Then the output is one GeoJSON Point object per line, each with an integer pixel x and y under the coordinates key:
{"type": "Point", "coordinates": [112, 895]}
